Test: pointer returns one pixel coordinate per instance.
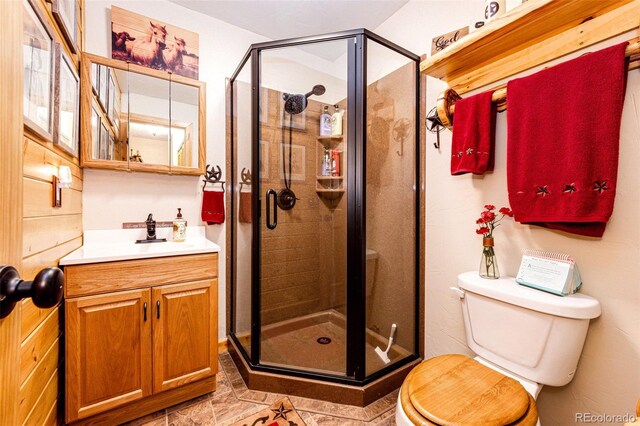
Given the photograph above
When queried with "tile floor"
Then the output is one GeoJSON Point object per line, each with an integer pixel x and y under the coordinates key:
{"type": "Point", "coordinates": [232, 401]}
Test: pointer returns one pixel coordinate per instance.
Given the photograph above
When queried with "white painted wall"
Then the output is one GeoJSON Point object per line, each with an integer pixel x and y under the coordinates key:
{"type": "Point", "coordinates": [608, 375]}
{"type": "Point", "coordinates": [110, 198]}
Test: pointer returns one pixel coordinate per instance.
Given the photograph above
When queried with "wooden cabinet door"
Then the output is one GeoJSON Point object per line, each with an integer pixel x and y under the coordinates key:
{"type": "Point", "coordinates": [185, 330]}
{"type": "Point", "coordinates": [108, 351]}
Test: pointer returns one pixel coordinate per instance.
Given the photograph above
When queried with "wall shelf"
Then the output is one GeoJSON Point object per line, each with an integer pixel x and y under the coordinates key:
{"type": "Point", "coordinates": [331, 194]}
{"type": "Point", "coordinates": [330, 187]}
{"type": "Point", "coordinates": [335, 138]}
{"type": "Point", "coordinates": [535, 32]}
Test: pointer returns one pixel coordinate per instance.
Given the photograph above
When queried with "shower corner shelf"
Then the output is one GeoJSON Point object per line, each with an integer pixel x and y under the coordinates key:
{"type": "Point", "coordinates": [330, 139]}
{"type": "Point", "coordinates": [329, 187]}
{"type": "Point", "coordinates": [329, 193]}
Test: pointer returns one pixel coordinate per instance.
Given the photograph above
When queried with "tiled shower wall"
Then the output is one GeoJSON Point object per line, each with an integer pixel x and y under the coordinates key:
{"type": "Point", "coordinates": [304, 258]}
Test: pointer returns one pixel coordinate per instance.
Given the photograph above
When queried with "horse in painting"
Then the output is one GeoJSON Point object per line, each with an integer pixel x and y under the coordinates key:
{"type": "Point", "coordinates": [173, 56]}
{"type": "Point", "coordinates": [148, 50]}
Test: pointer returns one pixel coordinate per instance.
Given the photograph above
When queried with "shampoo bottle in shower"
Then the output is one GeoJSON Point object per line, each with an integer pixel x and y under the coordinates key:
{"type": "Point", "coordinates": [179, 228]}
{"type": "Point", "coordinates": [325, 122]}
{"type": "Point", "coordinates": [326, 163]}
{"type": "Point", "coordinates": [336, 122]}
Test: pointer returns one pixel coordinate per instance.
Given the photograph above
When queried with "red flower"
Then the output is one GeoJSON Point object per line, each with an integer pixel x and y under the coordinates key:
{"type": "Point", "coordinates": [489, 219]}
{"type": "Point", "coordinates": [488, 216]}
{"type": "Point", "coordinates": [483, 230]}
{"type": "Point", "coordinates": [506, 211]}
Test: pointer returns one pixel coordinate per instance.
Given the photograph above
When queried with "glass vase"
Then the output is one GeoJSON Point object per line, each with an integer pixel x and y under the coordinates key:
{"type": "Point", "coordinates": [488, 262]}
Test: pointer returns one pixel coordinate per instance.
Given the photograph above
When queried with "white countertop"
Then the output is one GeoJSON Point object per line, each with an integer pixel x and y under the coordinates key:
{"type": "Point", "coordinates": [119, 244]}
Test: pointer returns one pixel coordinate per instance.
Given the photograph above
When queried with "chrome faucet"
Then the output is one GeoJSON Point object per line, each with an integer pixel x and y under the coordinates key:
{"type": "Point", "coordinates": [151, 227]}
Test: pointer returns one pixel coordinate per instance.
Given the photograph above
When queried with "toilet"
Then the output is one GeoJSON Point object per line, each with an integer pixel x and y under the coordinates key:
{"type": "Point", "coordinates": [523, 338]}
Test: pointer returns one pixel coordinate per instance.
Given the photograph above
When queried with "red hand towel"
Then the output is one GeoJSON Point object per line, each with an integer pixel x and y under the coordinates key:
{"type": "Point", "coordinates": [474, 135]}
{"type": "Point", "coordinates": [563, 138]}
{"type": "Point", "coordinates": [213, 207]}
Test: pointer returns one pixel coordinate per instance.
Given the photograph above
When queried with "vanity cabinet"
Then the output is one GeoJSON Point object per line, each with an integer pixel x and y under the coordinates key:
{"type": "Point", "coordinates": [131, 351]}
{"type": "Point", "coordinates": [108, 349]}
{"type": "Point", "coordinates": [183, 333]}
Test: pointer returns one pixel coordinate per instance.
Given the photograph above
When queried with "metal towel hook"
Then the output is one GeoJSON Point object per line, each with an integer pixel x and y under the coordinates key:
{"type": "Point", "coordinates": [213, 176]}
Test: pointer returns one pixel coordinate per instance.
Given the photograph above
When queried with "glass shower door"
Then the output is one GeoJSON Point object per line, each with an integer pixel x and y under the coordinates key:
{"type": "Point", "coordinates": [302, 231]}
{"type": "Point", "coordinates": [241, 202]}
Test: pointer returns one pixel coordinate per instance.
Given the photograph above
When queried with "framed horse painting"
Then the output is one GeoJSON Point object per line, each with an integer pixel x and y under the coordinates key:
{"type": "Point", "coordinates": [154, 44]}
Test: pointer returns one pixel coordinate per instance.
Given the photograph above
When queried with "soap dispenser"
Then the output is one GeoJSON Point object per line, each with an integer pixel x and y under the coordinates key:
{"type": "Point", "coordinates": [336, 122]}
{"type": "Point", "coordinates": [325, 122]}
{"type": "Point", "coordinates": [179, 228]}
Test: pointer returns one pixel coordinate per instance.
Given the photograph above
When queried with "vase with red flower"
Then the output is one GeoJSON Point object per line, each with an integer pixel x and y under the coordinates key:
{"type": "Point", "coordinates": [487, 222]}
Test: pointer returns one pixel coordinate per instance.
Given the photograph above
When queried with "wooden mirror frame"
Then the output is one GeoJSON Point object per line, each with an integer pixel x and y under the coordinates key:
{"type": "Point", "coordinates": [86, 98]}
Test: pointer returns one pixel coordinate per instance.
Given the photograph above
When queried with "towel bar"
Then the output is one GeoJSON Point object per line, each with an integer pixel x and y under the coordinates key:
{"type": "Point", "coordinates": [446, 103]}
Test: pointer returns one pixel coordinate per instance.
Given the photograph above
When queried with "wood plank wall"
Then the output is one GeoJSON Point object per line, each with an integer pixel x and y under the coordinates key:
{"type": "Point", "coordinates": [48, 234]}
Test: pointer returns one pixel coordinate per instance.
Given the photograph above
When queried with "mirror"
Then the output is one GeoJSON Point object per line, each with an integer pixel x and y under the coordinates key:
{"type": "Point", "coordinates": [149, 121]}
{"type": "Point", "coordinates": [140, 119]}
{"type": "Point", "coordinates": [184, 125]}
{"type": "Point", "coordinates": [108, 142]}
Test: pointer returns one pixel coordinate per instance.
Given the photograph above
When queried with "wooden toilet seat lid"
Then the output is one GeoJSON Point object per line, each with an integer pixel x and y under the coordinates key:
{"type": "Point", "coordinates": [455, 389]}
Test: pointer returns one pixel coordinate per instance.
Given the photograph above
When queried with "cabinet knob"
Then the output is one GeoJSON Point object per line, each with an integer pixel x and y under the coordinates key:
{"type": "Point", "coordinates": [45, 290]}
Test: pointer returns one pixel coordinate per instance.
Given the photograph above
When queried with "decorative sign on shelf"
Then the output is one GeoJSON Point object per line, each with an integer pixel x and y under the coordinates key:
{"type": "Point", "coordinates": [444, 40]}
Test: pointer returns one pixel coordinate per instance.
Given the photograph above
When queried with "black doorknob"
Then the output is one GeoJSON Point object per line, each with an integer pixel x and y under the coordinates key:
{"type": "Point", "coordinates": [45, 289]}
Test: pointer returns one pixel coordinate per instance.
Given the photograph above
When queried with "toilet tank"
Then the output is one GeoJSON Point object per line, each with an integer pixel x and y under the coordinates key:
{"type": "Point", "coordinates": [533, 334]}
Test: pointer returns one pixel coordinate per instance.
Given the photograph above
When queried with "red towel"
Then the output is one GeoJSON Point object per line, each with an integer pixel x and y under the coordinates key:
{"type": "Point", "coordinates": [474, 135]}
{"type": "Point", "coordinates": [563, 138]}
{"type": "Point", "coordinates": [244, 209]}
{"type": "Point", "coordinates": [213, 207]}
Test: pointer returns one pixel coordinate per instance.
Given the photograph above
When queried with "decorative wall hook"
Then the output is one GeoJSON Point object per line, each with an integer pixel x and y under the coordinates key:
{"type": "Point", "coordinates": [400, 132]}
{"type": "Point", "coordinates": [213, 176]}
{"type": "Point", "coordinates": [434, 125]}
{"type": "Point", "coordinates": [245, 175]}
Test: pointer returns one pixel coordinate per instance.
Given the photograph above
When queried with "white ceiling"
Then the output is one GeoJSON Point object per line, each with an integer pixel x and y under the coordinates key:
{"type": "Point", "coordinates": [279, 19]}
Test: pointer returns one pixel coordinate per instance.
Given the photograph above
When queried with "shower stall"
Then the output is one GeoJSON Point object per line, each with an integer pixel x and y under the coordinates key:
{"type": "Point", "coordinates": [325, 209]}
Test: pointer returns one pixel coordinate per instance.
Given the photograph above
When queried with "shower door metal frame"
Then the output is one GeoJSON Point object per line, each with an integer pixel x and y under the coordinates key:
{"type": "Point", "coordinates": [355, 373]}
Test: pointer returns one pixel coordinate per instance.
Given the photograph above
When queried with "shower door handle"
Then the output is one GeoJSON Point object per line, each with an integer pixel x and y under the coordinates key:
{"type": "Point", "coordinates": [272, 225]}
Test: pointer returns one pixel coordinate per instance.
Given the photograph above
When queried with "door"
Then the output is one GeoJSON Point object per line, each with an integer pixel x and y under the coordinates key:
{"type": "Point", "coordinates": [184, 333]}
{"type": "Point", "coordinates": [109, 340]}
{"type": "Point", "coordinates": [10, 198]}
{"type": "Point", "coordinates": [302, 229]}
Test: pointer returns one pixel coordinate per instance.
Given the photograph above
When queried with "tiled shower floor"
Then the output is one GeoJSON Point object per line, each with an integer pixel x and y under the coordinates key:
{"type": "Point", "coordinates": [299, 347]}
{"type": "Point", "coordinates": [294, 344]}
{"type": "Point", "coordinates": [232, 401]}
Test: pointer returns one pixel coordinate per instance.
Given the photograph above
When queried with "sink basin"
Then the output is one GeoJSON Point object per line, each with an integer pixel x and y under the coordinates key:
{"type": "Point", "coordinates": [100, 248]}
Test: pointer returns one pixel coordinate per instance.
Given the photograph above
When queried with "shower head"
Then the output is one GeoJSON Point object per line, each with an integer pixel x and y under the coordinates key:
{"type": "Point", "coordinates": [295, 104]}
{"type": "Point", "coordinates": [318, 90]}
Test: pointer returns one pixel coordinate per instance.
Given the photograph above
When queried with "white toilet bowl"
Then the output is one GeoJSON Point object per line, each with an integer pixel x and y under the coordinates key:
{"type": "Point", "coordinates": [532, 337]}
